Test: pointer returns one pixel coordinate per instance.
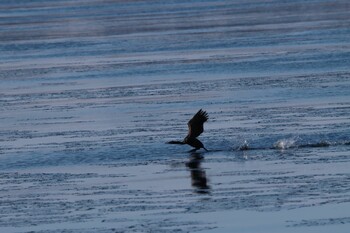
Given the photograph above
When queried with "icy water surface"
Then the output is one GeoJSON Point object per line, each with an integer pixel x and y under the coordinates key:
{"type": "Point", "coordinates": [91, 91]}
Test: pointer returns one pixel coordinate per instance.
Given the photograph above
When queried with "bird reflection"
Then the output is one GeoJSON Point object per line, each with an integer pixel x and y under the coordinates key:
{"type": "Point", "coordinates": [198, 177]}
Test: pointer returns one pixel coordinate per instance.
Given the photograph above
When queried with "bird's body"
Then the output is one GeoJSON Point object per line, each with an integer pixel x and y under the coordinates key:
{"type": "Point", "coordinates": [195, 128]}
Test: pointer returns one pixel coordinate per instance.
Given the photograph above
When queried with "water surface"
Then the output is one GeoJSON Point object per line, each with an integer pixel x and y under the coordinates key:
{"type": "Point", "coordinates": [91, 91]}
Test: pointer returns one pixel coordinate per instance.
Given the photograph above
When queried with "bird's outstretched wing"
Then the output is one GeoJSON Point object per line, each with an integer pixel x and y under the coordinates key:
{"type": "Point", "coordinates": [195, 125]}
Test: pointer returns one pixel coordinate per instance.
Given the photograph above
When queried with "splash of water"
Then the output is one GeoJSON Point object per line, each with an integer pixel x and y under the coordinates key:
{"type": "Point", "coordinates": [285, 143]}
{"type": "Point", "coordinates": [244, 145]}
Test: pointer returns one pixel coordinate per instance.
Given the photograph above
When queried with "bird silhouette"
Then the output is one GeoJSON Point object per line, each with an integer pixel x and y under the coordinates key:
{"type": "Point", "coordinates": [195, 128]}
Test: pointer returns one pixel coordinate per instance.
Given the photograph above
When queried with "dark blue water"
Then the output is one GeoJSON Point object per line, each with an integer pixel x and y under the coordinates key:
{"type": "Point", "coordinates": [104, 85]}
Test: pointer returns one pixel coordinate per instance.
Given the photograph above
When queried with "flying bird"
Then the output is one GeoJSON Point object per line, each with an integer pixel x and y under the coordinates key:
{"type": "Point", "coordinates": [195, 128]}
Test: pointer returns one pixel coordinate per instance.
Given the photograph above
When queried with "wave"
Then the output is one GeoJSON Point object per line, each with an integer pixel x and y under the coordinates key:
{"type": "Point", "coordinates": [291, 143]}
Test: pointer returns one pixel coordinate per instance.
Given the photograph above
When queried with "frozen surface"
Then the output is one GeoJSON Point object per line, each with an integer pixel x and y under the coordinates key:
{"type": "Point", "coordinates": [91, 91]}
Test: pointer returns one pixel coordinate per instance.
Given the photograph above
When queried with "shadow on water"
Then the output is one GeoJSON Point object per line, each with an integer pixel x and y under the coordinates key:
{"type": "Point", "coordinates": [198, 177]}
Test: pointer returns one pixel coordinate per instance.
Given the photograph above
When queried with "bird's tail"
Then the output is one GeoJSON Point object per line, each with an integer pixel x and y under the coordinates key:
{"type": "Point", "coordinates": [176, 142]}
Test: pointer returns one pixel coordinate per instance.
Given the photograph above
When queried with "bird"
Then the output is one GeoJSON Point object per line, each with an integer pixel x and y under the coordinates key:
{"type": "Point", "coordinates": [195, 128]}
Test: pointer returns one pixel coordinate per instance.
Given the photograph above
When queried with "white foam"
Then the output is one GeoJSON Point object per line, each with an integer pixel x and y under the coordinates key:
{"type": "Point", "coordinates": [285, 143]}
